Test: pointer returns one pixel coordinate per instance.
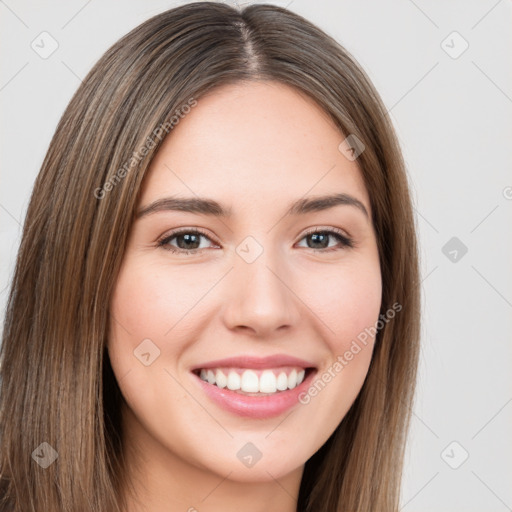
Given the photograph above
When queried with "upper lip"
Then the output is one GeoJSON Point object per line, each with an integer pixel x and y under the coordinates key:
{"type": "Point", "coordinates": [256, 362]}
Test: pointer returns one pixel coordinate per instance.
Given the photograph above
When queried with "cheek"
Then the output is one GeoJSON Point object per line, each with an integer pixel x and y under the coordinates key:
{"type": "Point", "coordinates": [348, 306]}
{"type": "Point", "coordinates": [348, 303]}
{"type": "Point", "coordinates": [153, 322]}
{"type": "Point", "coordinates": [140, 315]}
{"type": "Point", "coordinates": [148, 302]}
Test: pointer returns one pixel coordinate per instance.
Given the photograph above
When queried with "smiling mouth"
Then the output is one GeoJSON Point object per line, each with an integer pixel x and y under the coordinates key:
{"type": "Point", "coordinates": [255, 382]}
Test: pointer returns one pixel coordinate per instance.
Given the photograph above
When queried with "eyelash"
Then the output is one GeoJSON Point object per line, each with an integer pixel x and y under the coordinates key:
{"type": "Point", "coordinates": [345, 241]}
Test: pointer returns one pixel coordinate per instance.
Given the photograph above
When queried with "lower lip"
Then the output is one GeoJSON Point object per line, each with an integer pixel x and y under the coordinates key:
{"type": "Point", "coordinates": [255, 406]}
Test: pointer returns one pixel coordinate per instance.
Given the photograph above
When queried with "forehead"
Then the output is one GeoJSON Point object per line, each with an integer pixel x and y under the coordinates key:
{"type": "Point", "coordinates": [260, 141]}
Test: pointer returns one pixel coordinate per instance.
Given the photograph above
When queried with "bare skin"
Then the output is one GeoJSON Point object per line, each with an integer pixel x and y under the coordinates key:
{"type": "Point", "coordinates": [255, 148]}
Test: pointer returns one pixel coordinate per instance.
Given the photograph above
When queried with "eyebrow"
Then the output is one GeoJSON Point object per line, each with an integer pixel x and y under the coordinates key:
{"type": "Point", "coordinates": [211, 207]}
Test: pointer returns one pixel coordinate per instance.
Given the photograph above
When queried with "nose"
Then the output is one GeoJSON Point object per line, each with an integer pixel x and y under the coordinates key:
{"type": "Point", "coordinates": [260, 297]}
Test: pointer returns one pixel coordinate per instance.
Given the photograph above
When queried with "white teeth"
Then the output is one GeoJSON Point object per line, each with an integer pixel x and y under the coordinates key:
{"type": "Point", "coordinates": [210, 376]}
{"type": "Point", "coordinates": [220, 379]}
{"type": "Point", "coordinates": [282, 381]}
{"type": "Point", "coordinates": [250, 382]}
{"type": "Point", "coordinates": [292, 379]}
{"type": "Point", "coordinates": [233, 381]}
{"type": "Point", "coordinates": [267, 382]}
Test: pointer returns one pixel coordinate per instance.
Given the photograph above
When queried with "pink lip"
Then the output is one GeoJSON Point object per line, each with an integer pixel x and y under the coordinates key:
{"type": "Point", "coordinates": [255, 406]}
{"type": "Point", "coordinates": [256, 362]}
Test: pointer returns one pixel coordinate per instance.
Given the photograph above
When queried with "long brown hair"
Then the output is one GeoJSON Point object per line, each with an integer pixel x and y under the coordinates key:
{"type": "Point", "coordinates": [57, 385]}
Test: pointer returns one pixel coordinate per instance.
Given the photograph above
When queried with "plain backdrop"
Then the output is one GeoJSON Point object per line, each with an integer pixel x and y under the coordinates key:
{"type": "Point", "coordinates": [444, 72]}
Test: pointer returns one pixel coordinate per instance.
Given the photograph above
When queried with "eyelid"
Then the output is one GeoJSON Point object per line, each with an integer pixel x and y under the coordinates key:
{"type": "Point", "coordinates": [323, 229]}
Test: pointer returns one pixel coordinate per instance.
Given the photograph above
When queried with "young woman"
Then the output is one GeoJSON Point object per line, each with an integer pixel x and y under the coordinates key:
{"type": "Point", "coordinates": [215, 304]}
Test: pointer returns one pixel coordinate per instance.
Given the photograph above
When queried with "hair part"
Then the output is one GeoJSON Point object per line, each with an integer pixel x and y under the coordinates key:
{"type": "Point", "coordinates": [57, 385]}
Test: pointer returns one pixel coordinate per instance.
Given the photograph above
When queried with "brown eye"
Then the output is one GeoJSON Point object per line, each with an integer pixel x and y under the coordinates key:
{"type": "Point", "coordinates": [186, 241]}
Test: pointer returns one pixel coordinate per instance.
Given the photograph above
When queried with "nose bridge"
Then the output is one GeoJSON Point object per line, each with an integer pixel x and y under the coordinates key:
{"type": "Point", "coordinates": [261, 297]}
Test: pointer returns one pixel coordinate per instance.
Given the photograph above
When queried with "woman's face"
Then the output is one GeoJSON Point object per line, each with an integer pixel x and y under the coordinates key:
{"type": "Point", "coordinates": [253, 299]}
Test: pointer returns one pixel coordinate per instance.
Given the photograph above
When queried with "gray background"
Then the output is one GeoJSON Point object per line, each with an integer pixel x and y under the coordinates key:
{"type": "Point", "coordinates": [452, 114]}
